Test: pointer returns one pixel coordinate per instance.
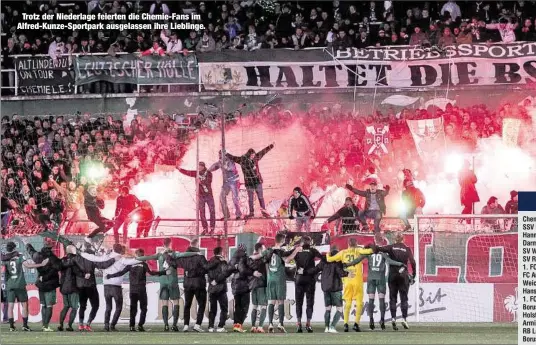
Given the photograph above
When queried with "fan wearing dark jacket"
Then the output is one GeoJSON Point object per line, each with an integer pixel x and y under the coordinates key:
{"type": "Point", "coordinates": [331, 283]}
{"type": "Point", "coordinates": [252, 175]}
{"type": "Point", "coordinates": [305, 212]}
{"type": "Point", "coordinates": [375, 206]}
{"type": "Point", "coordinates": [93, 204]}
{"type": "Point", "coordinates": [413, 201]}
{"type": "Point", "coordinates": [241, 287]}
{"type": "Point", "coordinates": [349, 213]}
{"type": "Point", "coordinates": [205, 195]}
{"type": "Point", "coordinates": [218, 272]}
{"type": "Point", "coordinates": [195, 284]}
{"type": "Point", "coordinates": [48, 281]}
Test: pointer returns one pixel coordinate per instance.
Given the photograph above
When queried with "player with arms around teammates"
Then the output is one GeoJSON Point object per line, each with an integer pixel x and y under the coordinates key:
{"type": "Point", "coordinates": [13, 263]}
{"type": "Point", "coordinates": [353, 284]}
{"type": "Point", "coordinates": [399, 278]}
{"type": "Point", "coordinates": [276, 288]}
{"type": "Point", "coordinates": [376, 279]}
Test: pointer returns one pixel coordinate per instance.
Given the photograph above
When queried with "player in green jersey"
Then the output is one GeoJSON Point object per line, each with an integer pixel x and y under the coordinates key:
{"type": "Point", "coordinates": [13, 263]}
{"type": "Point", "coordinates": [169, 284]}
{"type": "Point", "coordinates": [276, 289]}
{"type": "Point", "coordinates": [376, 279]}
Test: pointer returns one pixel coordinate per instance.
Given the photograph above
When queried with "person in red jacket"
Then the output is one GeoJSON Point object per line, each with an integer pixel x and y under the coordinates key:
{"type": "Point", "coordinates": [156, 49]}
{"type": "Point", "coordinates": [468, 193]}
{"type": "Point", "coordinates": [413, 201]}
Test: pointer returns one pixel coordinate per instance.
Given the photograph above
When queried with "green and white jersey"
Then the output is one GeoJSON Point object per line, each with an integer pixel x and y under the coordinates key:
{"type": "Point", "coordinates": [377, 268]}
{"type": "Point", "coordinates": [169, 279]}
{"type": "Point", "coordinates": [14, 273]}
{"type": "Point", "coordinates": [377, 265]}
{"type": "Point", "coordinates": [276, 266]}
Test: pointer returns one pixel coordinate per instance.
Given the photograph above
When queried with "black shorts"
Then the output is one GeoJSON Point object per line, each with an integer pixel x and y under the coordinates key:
{"type": "Point", "coordinates": [400, 282]}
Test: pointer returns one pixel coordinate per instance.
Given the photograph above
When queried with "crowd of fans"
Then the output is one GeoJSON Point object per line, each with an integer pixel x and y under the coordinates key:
{"type": "Point", "coordinates": [48, 162]}
{"type": "Point", "coordinates": [268, 24]}
{"type": "Point", "coordinates": [340, 156]}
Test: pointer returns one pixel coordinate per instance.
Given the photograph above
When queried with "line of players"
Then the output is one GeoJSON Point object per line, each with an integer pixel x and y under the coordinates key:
{"type": "Point", "coordinates": [260, 277]}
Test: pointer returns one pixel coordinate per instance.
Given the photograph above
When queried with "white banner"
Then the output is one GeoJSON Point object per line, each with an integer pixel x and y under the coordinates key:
{"type": "Point", "coordinates": [437, 302]}
{"type": "Point", "coordinates": [459, 71]}
{"type": "Point", "coordinates": [510, 131]}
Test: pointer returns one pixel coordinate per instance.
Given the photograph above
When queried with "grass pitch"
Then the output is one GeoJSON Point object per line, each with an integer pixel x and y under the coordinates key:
{"type": "Point", "coordinates": [447, 333]}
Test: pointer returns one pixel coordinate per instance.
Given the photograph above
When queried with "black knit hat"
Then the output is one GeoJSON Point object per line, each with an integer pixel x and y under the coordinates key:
{"type": "Point", "coordinates": [10, 246]}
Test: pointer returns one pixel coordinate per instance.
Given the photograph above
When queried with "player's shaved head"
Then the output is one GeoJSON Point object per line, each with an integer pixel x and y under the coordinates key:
{"type": "Point", "coordinates": [399, 237]}
{"type": "Point", "coordinates": [70, 249]}
{"type": "Point", "coordinates": [352, 242]}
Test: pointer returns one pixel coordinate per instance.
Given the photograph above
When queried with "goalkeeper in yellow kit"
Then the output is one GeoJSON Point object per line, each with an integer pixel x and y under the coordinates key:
{"type": "Point", "coordinates": [353, 284]}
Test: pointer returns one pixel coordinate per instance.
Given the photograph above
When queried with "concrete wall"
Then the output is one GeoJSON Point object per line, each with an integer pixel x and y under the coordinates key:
{"type": "Point", "coordinates": [295, 100]}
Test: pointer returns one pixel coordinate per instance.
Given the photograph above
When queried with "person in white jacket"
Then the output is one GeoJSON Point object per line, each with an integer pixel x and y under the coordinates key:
{"type": "Point", "coordinates": [112, 286]}
{"type": "Point", "coordinates": [506, 29]}
{"type": "Point", "coordinates": [173, 43]}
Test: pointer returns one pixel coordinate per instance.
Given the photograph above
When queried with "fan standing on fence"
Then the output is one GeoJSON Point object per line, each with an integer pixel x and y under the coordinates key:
{"type": "Point", "coordinates": [349, 215]}
{"type": "Point", "coordinates": [205, 196]}
{"type": "Point", "coordinates": [375, 206]}
{"type": "Point", "coordinates": [126, 203]}
{"type": "Point", "coordinates": [412, 203]}
{"type": "Point", "coordinates": [252, 176]}
{"type": "Point", "coordinates": [468, 193]}
{"type": "Point", "coordinates": [231, 183]}
{"type": "Point", "coordinates": [305, 213]}
{"type": "Point", "coordinates": [93, 205]}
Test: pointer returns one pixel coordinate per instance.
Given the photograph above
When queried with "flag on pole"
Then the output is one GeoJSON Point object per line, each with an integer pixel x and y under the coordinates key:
{"type": "Point", "coordinates": [429, 137]}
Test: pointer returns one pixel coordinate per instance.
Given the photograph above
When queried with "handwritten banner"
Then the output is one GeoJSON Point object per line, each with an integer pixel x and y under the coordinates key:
{"type": "Point", "coordinates": [133, 69]}
{"type": "Point", "coordinates": [44, 76]}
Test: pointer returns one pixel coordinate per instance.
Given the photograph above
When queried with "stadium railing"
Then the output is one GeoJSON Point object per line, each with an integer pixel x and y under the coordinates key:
{"type": "Point", "coordinates": [266, 226]}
